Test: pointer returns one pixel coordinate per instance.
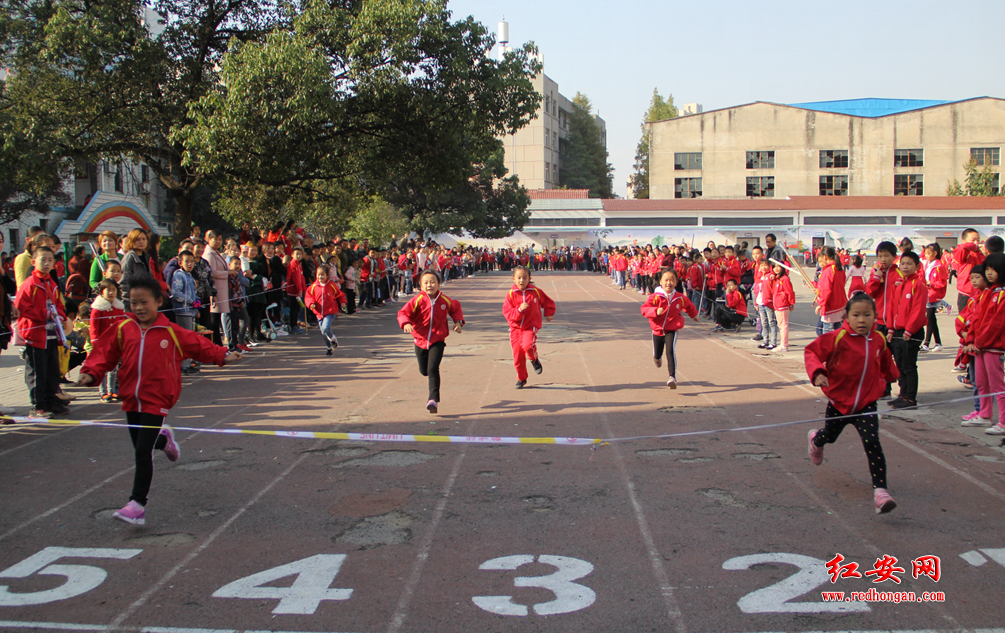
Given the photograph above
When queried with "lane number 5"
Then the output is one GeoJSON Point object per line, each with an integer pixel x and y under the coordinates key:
{"type": "Point", "coordinates": [79, 578]}
{"type": "Point", "coordinates": [569, 596]}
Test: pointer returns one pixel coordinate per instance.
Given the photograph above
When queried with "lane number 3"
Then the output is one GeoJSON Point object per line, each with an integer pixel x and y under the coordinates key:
{"type": "Point", "coordinates": [569, 596]}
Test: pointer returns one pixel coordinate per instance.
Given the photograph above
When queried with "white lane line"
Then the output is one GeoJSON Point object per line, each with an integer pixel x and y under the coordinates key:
{"type": "Point", "coordinates": [220, 530]}
{"type": "Point", "coordinates": [667, 591]}
{"type": "Point", "coordinates": [36, 440]}
{"type": "Point", "coordinates": [122, 472]}
{"type": "Point", "coordinates": [405, 600]}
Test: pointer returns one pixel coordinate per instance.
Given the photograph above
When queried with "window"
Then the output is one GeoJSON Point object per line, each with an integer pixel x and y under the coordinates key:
{"type": "Point", "coordinates": [761, 160]}
{"type": "Point", "coordinates": [908, 158]}
{"type": "Point", "coordinates": [687, 160]}
{"type": "Point", "coordinates": [547, 139]}
{"type": "Point", "coordinates": [144, 173]}
{"type": "Point", "coordinates": [761, 187]}
{"type": "Point", "coordinates": [118, 179]}
{"type": "Point", "coordinates": [908, 185]}
{"type": "Point", "coordinates": [44, 223]}
{"type": "Point", "coordinates": [563, 222]}
{"type": "Point", "coordinates": [15, 240]}
{"type": "Point", "coordinates": [995, 185]}
{"type": "Point", "coordinates": [547, 103]}
{"type": "Point", "coordinates": [833, 185]}
{"type": "Point", "coordinates": [986, 155]}
{"type": "Point", "coordinates": [547, 172]}
{"type": "Point", "coordinates": [687, 187]}
{"type": "Point", "coordinates": [833, 159]}
{"type": "Point", "coordinates": [554, 140]}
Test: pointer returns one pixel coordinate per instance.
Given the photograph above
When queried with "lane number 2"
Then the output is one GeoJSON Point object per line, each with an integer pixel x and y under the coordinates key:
{"type": "Point", "coordinates": [79, 578]}
{"type": "Point", "coordinates": [569, 596]}
{"type": "Point", "coordinates": [775, 598]}
{"type": "Point", "coordinates": [314, 576]}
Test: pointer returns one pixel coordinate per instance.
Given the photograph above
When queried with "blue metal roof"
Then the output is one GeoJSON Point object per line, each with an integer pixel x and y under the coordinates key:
{"type": "Point", "coordinates": [869, 107]}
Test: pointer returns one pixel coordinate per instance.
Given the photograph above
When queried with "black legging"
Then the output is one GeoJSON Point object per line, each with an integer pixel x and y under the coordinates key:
{"type": "Point", "coordinates": [933, 328]}
{"type": "Point", "coordinates": [905, 353]}
{"type": "Point", "coordinates": [429, 365]}
{"type": "Point", "coordinates": [866, 423]}
{"type": "Point", "coordinates": [668, 342]}
{"type": "Point", "coordinates": [145, 441]}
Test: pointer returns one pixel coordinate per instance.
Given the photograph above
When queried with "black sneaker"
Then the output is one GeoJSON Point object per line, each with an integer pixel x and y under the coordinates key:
{"type": "Point", "coordinates": [329, 352]}
{"type": "Point", "coordinates": [58, 408]}
{"type": "Point", "coordinates": [757, 338]}
{"type": "Point", "coordinates": [538, 368]}
{"type": "Point", "coordinates": [520, 384]}
{"type": "Point", "coordinates": [763, 346]}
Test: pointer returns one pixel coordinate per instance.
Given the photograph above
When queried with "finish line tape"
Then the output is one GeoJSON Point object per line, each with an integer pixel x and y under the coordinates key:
{"type": "Point", "coordinates": [473, 439]}
{"type": "Point", "coordinates": [324, 435]}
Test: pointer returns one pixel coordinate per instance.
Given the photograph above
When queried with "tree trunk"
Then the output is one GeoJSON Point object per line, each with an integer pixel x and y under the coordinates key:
{"type": "Point", "coordinates": [182, 216]}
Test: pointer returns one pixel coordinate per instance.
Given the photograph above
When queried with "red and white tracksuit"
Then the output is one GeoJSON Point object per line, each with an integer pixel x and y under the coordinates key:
{"type": "Point", "coordinates": [524, 326]}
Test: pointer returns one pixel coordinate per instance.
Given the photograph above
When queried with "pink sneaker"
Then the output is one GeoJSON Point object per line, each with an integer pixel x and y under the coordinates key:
{"type": "Point", "coordinates": [171, 448]}
{"type": "Point", "coordinates": [884, 502]}
{"type": "Point", "coordinates": [432, 406]}
{"type": "Point", "coordinates": [672, 382]}
{"type": "Point", "coordinates": [816, 452]}
{"type": "Point", "coordinates": [132, 513]}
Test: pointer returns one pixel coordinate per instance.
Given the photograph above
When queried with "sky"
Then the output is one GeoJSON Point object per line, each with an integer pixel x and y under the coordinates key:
{"type": "Point", "coordinates": [723, 53]}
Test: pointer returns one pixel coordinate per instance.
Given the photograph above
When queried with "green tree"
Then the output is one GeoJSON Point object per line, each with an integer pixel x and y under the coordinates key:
{"type": "Point", "coordinates": [377, 221]}
{"type": "Point", "coordinates": [584, 161]}
{"type": "Point", "coordinates": [979, 182]}
{"type": "Point", "coordinates": [660, 109]}
{"type": "Point", "coordinates": [289, 95]}
{"type": "Point", "coordinates": [488, 204]}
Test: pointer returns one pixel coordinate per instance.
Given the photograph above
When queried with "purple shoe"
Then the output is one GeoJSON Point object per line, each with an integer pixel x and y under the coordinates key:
{"type": "Point", "coordinates": [171, 448]}
{"type": "Point", "coordinates": [432, 406]}
{"type": "Point", "coordinates": [816, 452]}
{"type": "Point", "coordinates": [132, 512]}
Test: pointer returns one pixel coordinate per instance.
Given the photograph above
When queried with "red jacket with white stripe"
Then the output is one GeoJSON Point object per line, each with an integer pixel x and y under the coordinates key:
{"type": "Point", "coordinates": [782, 295]}
{"type": "Point", "coordinates": [150, 376]}
{"type": "Point", "coordinates": [990, 326]}
{"type": "Point", "coordinates": [675, 306]}
{"type": "Point", "coordinates": [832, 298]}
{"type": "Point", "coordinates": [736, 301]}
{"type": "Point", "coordinates": [936, 278]}
{"type": "Point", "coordinates": [324, 299]}
{"type": "Point", "coordinates": [31, 300]}
{"type": "Point", "coordinates": [529, 319]}
{"type": "Point", "coordinates": [883, 286]}
{"type": "Point", "coordinates": [909, 313]}
{"type": "Point", "coordinates": [857, 367]}
{"type": "Point", "coordinates": [428, 317]}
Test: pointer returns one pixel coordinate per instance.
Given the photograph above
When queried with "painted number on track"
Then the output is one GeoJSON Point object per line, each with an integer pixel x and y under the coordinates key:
{"type": "Point", "coordinates": [775, 598]}
{"type": "Point", "coordinates": [314, 575]}
{"type": "Point", "coordinates": [569, 596]}
{"type": "Point", "coordinates": [79, 578]}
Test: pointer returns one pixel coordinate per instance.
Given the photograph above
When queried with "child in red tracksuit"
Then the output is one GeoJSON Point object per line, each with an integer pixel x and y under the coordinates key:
{"type": "Point", "coordinates": [733, 313]}
{"type": "Point", "coordinates": [41, 312]}
{"type": "Point", "coordinates": [522, 308]}
{"type": "Point", "coordinates": [908, 329]}
{"type": "Point", "coordinates": [966, 322]}
{"type": "Point", "coordinates": [424, 316]}
{"type": "Point", "coordinates": [989, 343]}
{"type": "Point", "coordinates": [831, 295]}
{"type": "Point", "coordinates": [852, 365]}
{"type": "Point", "coordinates": [783, 301]}
{"type": "Point", "coordinates": [325, 299]}
{"type": "Point", "coordinates": [151, 349]}
{"type": "Point", "coordinates": [665, 309]}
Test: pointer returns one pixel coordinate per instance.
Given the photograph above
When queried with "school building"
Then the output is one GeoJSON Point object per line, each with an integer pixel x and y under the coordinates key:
{"type": "Point", "coordinates": [570, 218]}
{"type": "Point", "coordinates": [857, 147]}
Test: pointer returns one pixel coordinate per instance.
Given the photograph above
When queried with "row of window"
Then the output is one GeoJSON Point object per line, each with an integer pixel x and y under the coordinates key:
{"type": "Point", "coordinates": [838, 158]}
{"type": "Point", "coordinates": [764, 186]}
{"type": "Point", "coordinates": [551, 139]}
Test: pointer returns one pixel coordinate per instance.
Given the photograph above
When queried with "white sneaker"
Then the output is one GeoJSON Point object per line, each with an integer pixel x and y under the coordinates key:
{"type": "Point", "coordinates": [998, 429]}
{"type": "Point", "coordinates": [937, 348]}
{"type": "Point", "coordinates": [924, 348]}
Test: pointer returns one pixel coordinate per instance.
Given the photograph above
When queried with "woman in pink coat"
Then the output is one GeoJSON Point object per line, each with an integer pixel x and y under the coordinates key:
{"type": "Point", "coordinates": [220, 305]}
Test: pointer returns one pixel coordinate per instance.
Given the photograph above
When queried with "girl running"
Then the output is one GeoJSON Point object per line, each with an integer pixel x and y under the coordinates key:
{"type": "Point", "coordinates": [151, 349]}
{"type": "Point", "coordinates": [522, 308]}
{"type": "Point", "coordinates": [324, 299]}
{"type": "Point", "coordinates": [424, 316]}
{"type": "Point", "coordinates": [665, 309]}
{"type": "Point", "coordinates": [853, 365]}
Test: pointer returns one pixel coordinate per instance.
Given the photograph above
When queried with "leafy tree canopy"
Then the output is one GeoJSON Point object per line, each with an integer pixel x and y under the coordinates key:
{"type": "Point", "coordinates": [289, 95]}
{"type": "Point", "coordinates": [979, 182]}
{"type": "Point", "coordinates": [660, 109]}
{"type": "Point", "coordinates": [584, 163]}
